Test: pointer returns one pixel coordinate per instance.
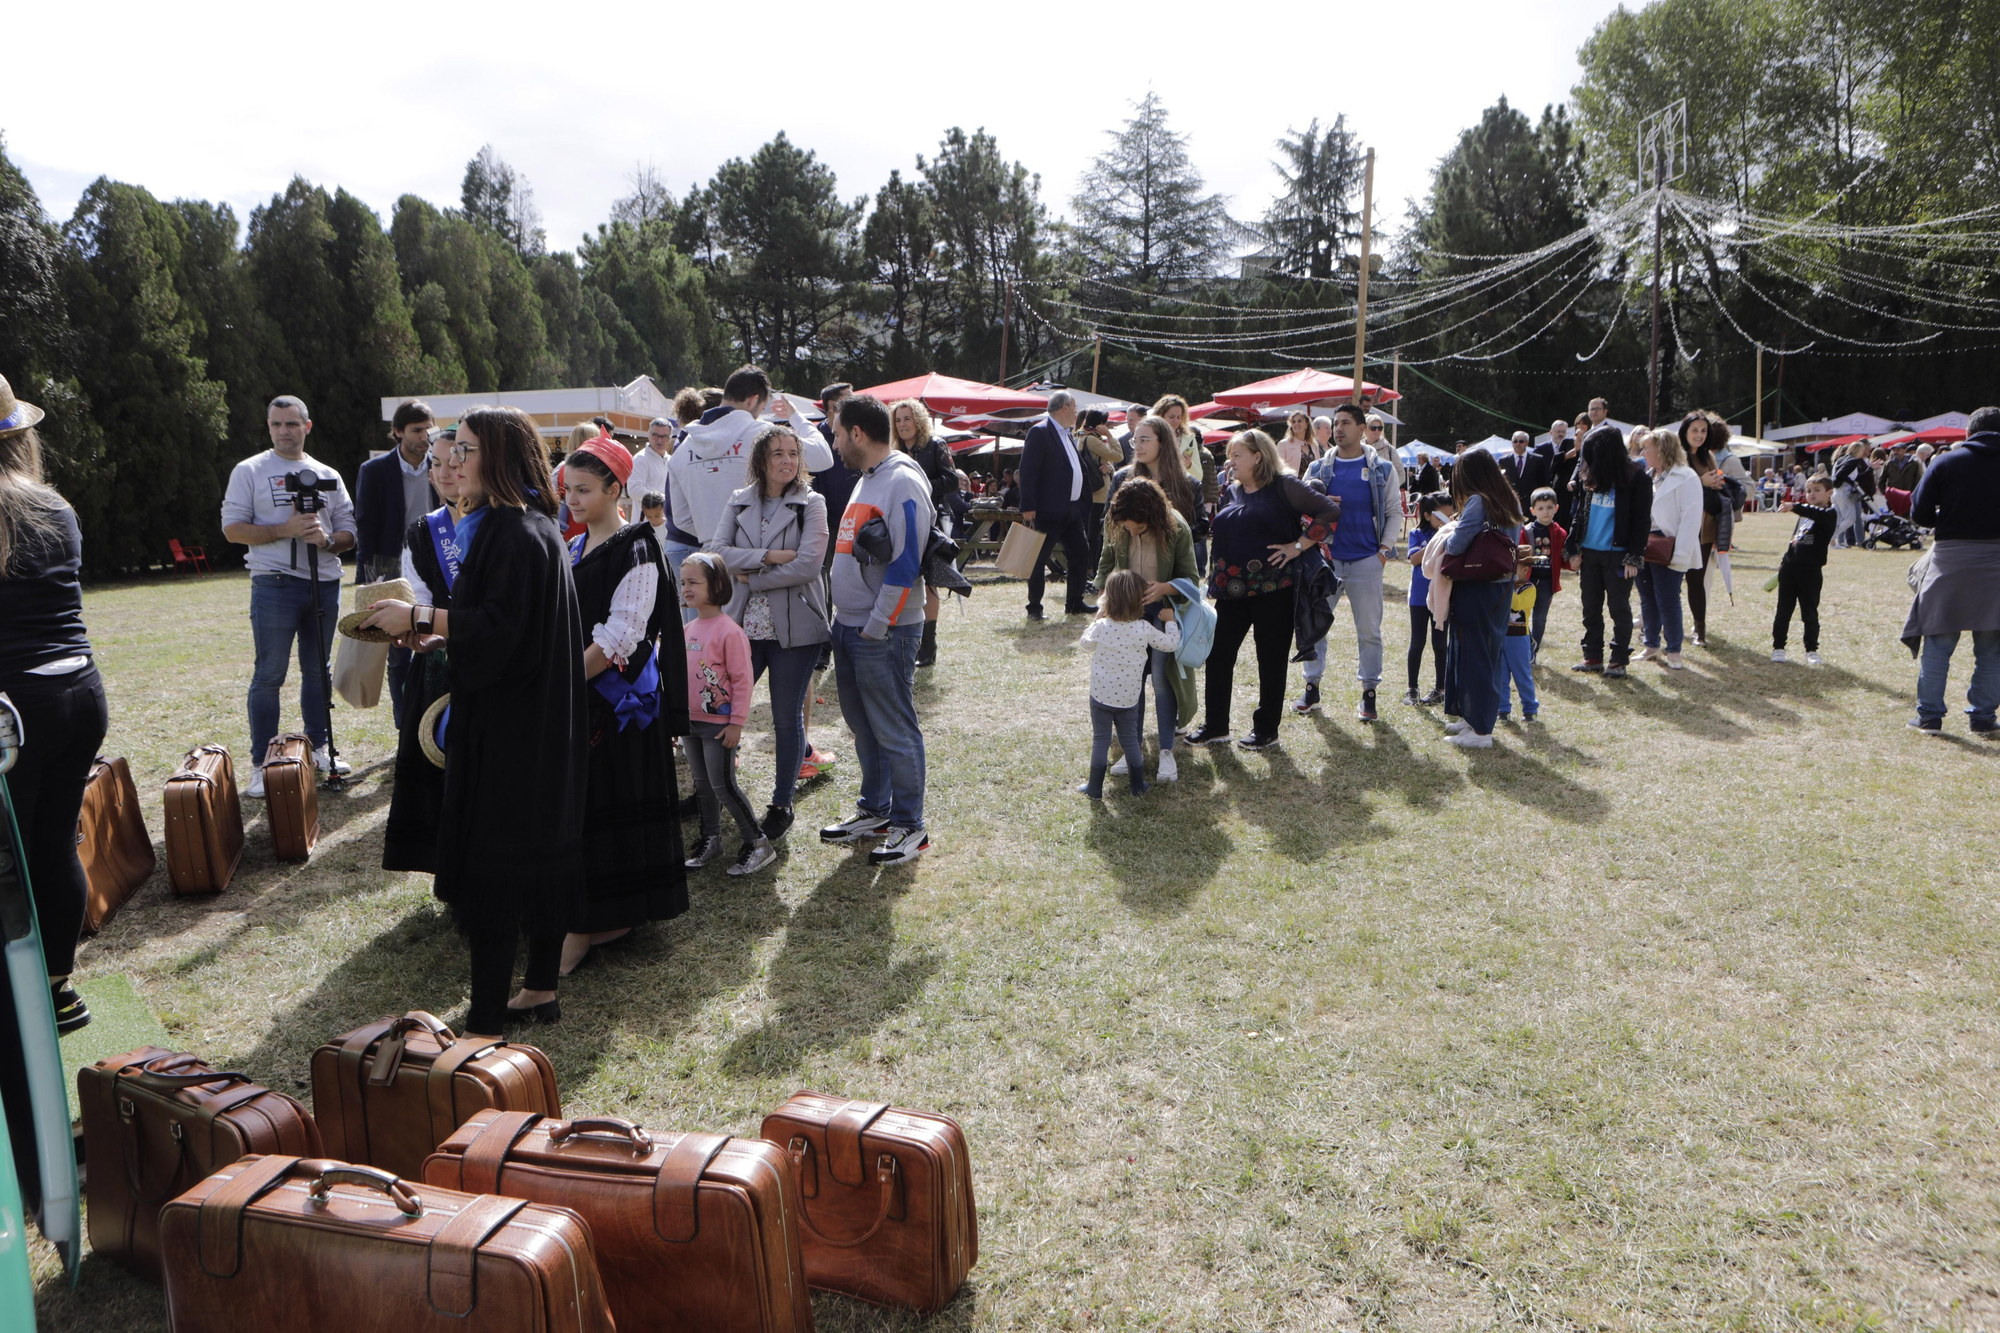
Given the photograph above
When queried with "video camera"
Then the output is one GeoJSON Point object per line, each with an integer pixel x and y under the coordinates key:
{"type": "Point", "coordinates": [308, 490]}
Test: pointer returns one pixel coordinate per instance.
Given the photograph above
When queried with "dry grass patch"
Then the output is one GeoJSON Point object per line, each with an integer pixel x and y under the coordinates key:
{"type": "Point", "coordinates": [1675, 1009]}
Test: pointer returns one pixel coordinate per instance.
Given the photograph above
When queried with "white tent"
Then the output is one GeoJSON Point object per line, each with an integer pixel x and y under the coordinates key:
{"type": "Point", "coordinates": [1416, 451]}
{"type": "Point", "coordinates": [1955, 420]}
{"type": "Point", "coordinates": [1854, 423]}
{"type": "Point", "coordinates": [1495, 444]}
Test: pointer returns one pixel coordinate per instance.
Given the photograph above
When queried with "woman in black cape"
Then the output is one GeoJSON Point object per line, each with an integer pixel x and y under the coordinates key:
{"type": "Point", "coordinates": [510, 827]}
{"type": "Point", "coordinates": [409, 842]}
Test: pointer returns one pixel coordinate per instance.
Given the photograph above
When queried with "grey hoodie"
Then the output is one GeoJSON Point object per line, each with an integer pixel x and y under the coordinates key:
{"type": "Point", "coordinates": [712, 463]}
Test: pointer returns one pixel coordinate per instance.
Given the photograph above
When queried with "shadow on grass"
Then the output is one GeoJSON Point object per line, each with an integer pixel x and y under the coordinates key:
{"type": "Point", "coordinates": [837, 975]}
{"type": "Point", "coordinates": [1057, 634]}
{"type": "Point", "coordinates": [1125, 831]}
{"type": "Point", "coordinates": [843, 1314]}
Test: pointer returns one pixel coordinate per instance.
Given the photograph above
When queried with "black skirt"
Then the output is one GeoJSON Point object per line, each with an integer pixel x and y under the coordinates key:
{"type": "Point", "coordinates": [410, 840]}
{"type": "Point", "coordinates": [634, 868]}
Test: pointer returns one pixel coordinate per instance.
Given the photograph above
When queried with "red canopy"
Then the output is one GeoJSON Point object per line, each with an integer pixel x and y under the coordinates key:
{"type": "Point", "coordinates": [1940, 435]}
{"type": "Point", "coordinates": [1301, 388]}
{"type": "Point", "coordinates": [949, 397]}
{"type": "Point", "coordinates": [1839, 443]}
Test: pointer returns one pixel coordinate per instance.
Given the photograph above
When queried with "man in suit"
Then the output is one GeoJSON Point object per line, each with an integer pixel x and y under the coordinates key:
{"type": "Point", "coordinates": [391, 493]}
{"type": "Point", "coordinates": [1056, 486]}
{"type": "Point", "coordinates": [1526, 469]}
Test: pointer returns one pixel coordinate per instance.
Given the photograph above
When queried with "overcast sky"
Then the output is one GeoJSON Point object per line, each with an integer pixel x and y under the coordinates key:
{"type": "Point", "coordinates": [229, 101]}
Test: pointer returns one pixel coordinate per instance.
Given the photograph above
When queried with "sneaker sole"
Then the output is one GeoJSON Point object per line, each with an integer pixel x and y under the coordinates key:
{"type": "Point", "coordinates": [897, 858]}
{"type": "Point", "coordinates": [852, 837]}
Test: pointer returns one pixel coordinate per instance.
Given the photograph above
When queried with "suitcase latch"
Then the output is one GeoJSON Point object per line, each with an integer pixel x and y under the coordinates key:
{"type": "Point", "coordinates": [125, 1108]}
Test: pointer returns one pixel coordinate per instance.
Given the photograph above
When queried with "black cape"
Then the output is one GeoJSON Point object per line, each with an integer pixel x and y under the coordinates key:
{"type": "Point", "coordinates": [510, 830]}
{"type": "Point", "coordinates": [634, 867]}
{"type": "Point", "coordinates": [409, 841]}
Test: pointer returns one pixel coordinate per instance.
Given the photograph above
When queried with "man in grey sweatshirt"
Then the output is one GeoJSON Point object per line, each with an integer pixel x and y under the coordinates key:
{"type": "Point", "coordinates": [878, 625]}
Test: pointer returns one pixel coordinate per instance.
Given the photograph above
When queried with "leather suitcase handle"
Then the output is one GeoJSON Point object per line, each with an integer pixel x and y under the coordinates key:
{"type": "Point", "coordinates": [678, 1186]}
{"type": "Point", "coordinates": [328, 1174]}
{"type": "Point", "coordinates": [389, 1055]}
{"type": "Point", "coordinates": [219, 1223]}
{"type": "Point", "coordinates": [846, 1160]}
{"type": "Point", "coordinates": [454, 1253]}
{"type": "Point", "coordinates": [152, 1072]}
{"type": "Point", "coordinates": [600, 1127]}
{"type": "Point", "coordinates": [886, 1173]}
{"type": "Point", "coordinates": [479, 1166]}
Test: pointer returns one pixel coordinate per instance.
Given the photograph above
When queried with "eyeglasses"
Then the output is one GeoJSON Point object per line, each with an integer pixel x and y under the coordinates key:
{"type": "Point", "coordinates": [1373, 426]}
{"type": "Point", "coordinates": [459, 451]}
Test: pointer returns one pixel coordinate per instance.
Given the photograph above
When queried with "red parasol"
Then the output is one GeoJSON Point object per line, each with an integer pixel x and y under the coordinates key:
{"type": "Point", "coordinates": [1838, 443]}
{"type": "Point", "coordinates": [949, 397]}
{"type": "Point", "coordinates": [1301, 388]}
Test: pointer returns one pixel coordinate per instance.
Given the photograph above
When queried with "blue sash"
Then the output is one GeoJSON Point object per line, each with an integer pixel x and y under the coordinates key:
{"type": "Point", "coordinates": [443, 725]}
{"type": "Point", "coordinates": [631, 700]}
{"type": "Point", "coordinates": [444, 541]}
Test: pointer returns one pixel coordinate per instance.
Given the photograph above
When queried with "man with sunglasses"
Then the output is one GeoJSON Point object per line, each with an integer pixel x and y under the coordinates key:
{"type": "Point", "coordinates": [389, 493]}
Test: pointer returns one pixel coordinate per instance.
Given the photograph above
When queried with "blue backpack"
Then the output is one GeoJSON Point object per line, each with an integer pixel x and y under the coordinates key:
{"type": "Point", "coordinates": [1197, 625]}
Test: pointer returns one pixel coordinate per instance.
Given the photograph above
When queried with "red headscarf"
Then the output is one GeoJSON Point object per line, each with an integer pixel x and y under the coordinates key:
{"type": "Point", "coordinates": [612, 454]}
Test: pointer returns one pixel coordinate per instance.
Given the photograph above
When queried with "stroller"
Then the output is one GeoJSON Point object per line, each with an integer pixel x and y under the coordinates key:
{"type": "Point", "coordinates": [1893, 531]}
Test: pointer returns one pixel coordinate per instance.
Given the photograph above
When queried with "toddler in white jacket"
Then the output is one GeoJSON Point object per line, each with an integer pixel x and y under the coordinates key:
{"type": "Point", "coordinates": [1119, 640]}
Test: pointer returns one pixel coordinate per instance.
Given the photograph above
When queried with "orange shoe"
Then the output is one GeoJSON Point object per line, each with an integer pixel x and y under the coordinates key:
{"type": "Point", "coordinates": [816, 759]}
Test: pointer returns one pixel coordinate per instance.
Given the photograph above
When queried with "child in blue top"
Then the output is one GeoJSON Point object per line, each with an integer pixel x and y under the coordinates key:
{"type": "Point", "coordinates": [1433, 511]}
{"type": "Point", "coordinates": [1517, 657]}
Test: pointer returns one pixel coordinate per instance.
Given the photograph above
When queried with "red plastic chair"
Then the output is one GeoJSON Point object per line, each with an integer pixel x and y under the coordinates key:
{"type": "Point", "coordinates": [191, 559]}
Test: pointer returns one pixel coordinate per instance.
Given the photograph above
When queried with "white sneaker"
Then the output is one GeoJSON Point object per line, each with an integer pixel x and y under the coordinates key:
{"type": "Point", "coordinates": [1778, 656]}
{"type": "Point", "coordinates": [1121, 768]}
{"type": "Point", "coordinates": [1649, 655]}
{"type": "Point", "coordinates": [255, 789]}
{"type": "Point", "coordinates": [1453, 727]}
{"type": "Point", "coordinates": [1672, 661]}
{"type": "Point", "coordinates": [1168, 770]}
{"type": "Point", "coordinates": [900, 845]}
{"type": "Point", "coordinates": [340, 766]}
{"type": "Point", "coordinates": [1471, 740]}
{"type": "Point", "coordinates": [1812, 659]}
{"type": "Point", "coordinates": [753, 857]}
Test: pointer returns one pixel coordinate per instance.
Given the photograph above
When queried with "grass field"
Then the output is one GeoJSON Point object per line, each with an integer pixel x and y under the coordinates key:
{"type": "Point", "coordinates": [1674, 1010]}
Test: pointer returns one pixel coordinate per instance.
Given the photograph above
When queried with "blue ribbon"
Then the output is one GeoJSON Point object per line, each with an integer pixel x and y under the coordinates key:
{"type": "Point", "coordinates": [443, 725]}
{"type": "Point", "coordinates": [444, 540]}
{"type": "Point", "coordinates": [631, 700]}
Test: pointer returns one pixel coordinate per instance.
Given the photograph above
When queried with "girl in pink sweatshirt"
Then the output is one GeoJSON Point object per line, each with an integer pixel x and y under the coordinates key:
{"type": "Point", "coordinates": [718, 678]}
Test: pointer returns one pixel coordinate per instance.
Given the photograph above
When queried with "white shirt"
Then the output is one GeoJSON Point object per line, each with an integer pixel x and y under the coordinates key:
{"type": "Point", "coordinates": [649, 473]}
{"type": "Point", "coordinates": [256, 494]}
{"type": "Point", "coordinates": [1118, 656]}
{"type": "Point", "coordinates": [1075, 463]}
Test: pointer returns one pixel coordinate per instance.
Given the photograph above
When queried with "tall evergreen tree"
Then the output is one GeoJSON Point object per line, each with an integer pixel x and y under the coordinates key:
{"type": "Point", "coordinates": [1312, 223]}
{"type": "Point", "coordinates": [993, 228]}
{"type": "Point", "coordinates": [164, 420]}
{"type": "Point", "coordinates": [497, 196]}
{"type": "Point", "coordinates": [901, 251]}
{"type": "Point", "coordinates": [1141, 208]}
{"type": "Point", "coordinates": [665, 326]}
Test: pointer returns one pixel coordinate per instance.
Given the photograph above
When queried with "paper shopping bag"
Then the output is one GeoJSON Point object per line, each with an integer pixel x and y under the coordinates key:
{"type": "Point", "coordinates": [1018, 551]}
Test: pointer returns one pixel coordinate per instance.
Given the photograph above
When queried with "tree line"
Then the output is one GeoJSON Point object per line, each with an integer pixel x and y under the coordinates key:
{"type": "Point", "coordinates": [155, 331]}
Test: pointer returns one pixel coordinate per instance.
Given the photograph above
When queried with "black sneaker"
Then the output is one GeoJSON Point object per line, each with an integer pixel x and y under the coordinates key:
{"type": "Point", "coordinates": [855, 829]}
{"type": "Point", "coordinates": [1981, 728]}
{"type": "Point", "coordinates": [1433, 699]}
{"type": "Point", "coordinates": [777, 822]}
{"type": "Point", "coordinates": [1933, 725]}
{"type": "Point", "coordinates": [1255, 742]}
{"type": "Point", "coordinates": [1208, 735]}
{"type": "Point", "coordinates": [1413, 699]}
{"type": "Point", "coordinates": [1308, 701]}
{"type": "Point", "coordinates": [900, 846]}
{"type": "Point", "coordinates": [1614, 672]}
{"type": "Point", "coordinates": [71, 1012]}
{"type": "Point", "coordinates": [1591, 666]}
{"type": "Point", "coordinates": [1365, 710]}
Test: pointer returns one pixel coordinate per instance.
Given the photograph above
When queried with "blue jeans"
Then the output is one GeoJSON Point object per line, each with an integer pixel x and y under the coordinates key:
{"type": "Point", "coordinates": [281, 610]}
{"type": "Point", "coordinates": [1982, 693]}
{"type": "Point", "coordinates": [1160, 670]}
{"type": "Point", "coordinates": [1472, 653]}
{"type": "Point", "coordinates": [1517, 661]}
{"type": "Point", "coordinates": [1104, 720]}
{"type": "Point", "coordinates": [877, 682]}
{"type": "Point", "coordinates": [1659, 605]}
{"type": "Point", "coordinates": [676, 552]}
{"type": "Point", "coordinates": [791, 676]}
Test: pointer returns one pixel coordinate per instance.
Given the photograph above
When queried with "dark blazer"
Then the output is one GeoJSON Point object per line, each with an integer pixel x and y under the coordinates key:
{"type": "Point", "coordinates": [379, 520]}
{"type": "Point", "coordinates": [1046, 475]}
{"type": "Point", "coordinates": [1528, 475]}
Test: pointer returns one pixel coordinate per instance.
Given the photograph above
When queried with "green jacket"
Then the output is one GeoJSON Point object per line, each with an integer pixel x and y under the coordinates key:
{"type": "Point", "coordinates": [1179, 564]}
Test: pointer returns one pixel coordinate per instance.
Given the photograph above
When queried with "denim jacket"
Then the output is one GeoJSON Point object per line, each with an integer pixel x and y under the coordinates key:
{"type": "Point", "coordinates": [1386, 496]}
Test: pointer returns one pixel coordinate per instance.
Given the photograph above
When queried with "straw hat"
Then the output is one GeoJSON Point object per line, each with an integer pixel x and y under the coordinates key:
{"type": "Point", "coordinates": [427, 729]}
{"type": "Point", "coordinates": [15, 415]}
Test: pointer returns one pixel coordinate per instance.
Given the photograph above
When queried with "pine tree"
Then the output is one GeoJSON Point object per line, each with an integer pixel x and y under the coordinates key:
{"type": "Point", "coordinates": [164, 420]}
{"type": "Point", "coordinates": [665, 326]}
{"type": "Point", "coordinates": [901, 251]}
{"type": "Point", "coordinates": [497, 196]}
{"type": "Point", "coordinates": [1311, 224]}
{"type": "Point", "coordinates": [992, 228]}
{"type": "Point", "coordinates": [1141, 213]}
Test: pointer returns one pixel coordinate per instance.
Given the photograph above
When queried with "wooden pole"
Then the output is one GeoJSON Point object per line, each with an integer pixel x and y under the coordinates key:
{"type": "Point", "coordinates": [1361, 292]}
{"type": "Point", "coordinates": [1759, 430]}
{"type": "Point", "coordinates": [1006, 310]}
{"type": "Point", "coordinates": [1096, 360]}
{"type": "Point", "coordinates": [1653, 365]}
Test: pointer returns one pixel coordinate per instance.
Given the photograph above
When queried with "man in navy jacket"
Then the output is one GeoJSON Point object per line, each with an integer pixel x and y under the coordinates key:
{"type": "Point", "coordinates": [1056, 485]}
{"type": "Point", "coordinates": [385, 492]}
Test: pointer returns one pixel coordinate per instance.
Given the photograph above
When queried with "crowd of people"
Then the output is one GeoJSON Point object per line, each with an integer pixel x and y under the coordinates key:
{"type": "Point", "coordinates": [541, 701]}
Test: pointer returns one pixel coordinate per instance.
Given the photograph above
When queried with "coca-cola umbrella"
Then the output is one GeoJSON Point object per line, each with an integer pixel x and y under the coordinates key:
{"type": "Point", "coordinates": [947, 396]}
{"type": "Point", "coordinates": [1301, 388]}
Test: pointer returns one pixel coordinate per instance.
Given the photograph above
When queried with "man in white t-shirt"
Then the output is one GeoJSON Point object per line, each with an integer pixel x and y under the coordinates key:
{"type": "Point", "coordinates": [260, 510]}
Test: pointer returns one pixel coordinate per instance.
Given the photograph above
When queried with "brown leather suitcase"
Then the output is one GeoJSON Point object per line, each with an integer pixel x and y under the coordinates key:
{"type": "Point", "coordinates": [154, 1123]}
{"type": "Point", "coordinates": [283, 1243]}
{"type": "Point", "coordinates": [695, 1232]}
{"type": "Point", "coordinates": [291, 796]}
{"type": "Point", "coordinates": [885, 1199]}
{"type": "Point", "coordinates": [204, 822]}
{"type": "Point", "coordinates": [112, 842]}
{"type": "Point", "coordinates": [388, 1094]}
